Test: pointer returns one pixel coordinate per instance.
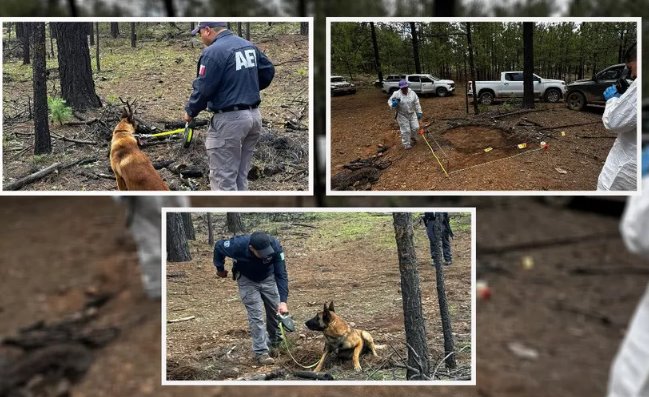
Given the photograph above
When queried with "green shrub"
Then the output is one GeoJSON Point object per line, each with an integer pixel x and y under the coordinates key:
{"type": "Point", "coordinates": [58, 110]}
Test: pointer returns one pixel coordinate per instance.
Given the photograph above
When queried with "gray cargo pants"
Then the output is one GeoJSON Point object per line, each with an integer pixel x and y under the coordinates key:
{"type": "Point", "coordinates": [144, 218]}
{"type": "Point", "coordinates": [261, 298]}
{"type": "Point", "coordinates": [230, 144]}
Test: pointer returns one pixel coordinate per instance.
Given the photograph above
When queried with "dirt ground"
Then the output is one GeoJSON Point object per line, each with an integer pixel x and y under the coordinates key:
{"type": "Point", "coordinates": [350, 259]}
{"type": "Point", "coordinates": [159, 73]}
{"type": "Point", "coordinates": [571, 308]}
{"type": "Point", "coordinates": [480, 155]}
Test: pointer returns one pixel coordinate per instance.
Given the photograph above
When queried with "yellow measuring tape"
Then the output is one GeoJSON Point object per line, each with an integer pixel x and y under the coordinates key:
{"type": "Point", "coordinates": [281, 328]}
{"type": "Point", "coordinates": [423, 133]}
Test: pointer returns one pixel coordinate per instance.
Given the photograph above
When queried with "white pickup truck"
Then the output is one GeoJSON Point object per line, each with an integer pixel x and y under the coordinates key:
{"type": "Point", "coordinates": [511, 86]}
{"type": "Point", "coordinates": [421, 84]}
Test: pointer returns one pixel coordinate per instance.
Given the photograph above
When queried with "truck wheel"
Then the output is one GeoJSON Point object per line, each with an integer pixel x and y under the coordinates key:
{"type": "Point", "coordinates": [486, 97]}
{"type": "Point", "coordinates": [441, 92]}
{"type": "Point", "coordinates": [576, 100]}
{"type": "Point", "coordinates": [552, 95]}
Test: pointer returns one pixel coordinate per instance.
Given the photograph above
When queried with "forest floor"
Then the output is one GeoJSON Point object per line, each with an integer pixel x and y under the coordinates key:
{"type": "Point", "coordinates": [159, 74]}
{"type": "Point", "coordinates": [480, 153]}
{"type": "Point", "coordinates": [568, 312]}
{"type": "Point", "coordinates": [348, 258]}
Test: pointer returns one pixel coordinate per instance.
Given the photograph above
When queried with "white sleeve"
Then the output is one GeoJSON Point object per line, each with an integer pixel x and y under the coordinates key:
{"type": "Point", "coordinates": [635, 222]}
{"type": "Point", "coordinates": [621, 113]}
{"type": "Point", "coordinates": [417, 105]}
{"type": "Point", "coordinates": [394, 95]}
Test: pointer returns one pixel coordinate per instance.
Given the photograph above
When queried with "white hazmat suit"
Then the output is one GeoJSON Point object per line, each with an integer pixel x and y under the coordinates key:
{"type": "Point", "coordinates": [407, 110]}
{"type": "Point", "coordinates": [620, 117]}
{"type": "Point", "coordinates": [629, 375]}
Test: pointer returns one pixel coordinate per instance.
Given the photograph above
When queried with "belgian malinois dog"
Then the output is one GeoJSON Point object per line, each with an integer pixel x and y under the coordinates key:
{"type": "Point", "coordinates": [340, 338]}
{"type": "Point", "coordinates": [133, 169]}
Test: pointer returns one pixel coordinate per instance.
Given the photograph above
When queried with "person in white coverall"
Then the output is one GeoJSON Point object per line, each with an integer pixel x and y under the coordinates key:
{"type": "Point", "coordinates": [406, 103]}
{"type": "Point", "coordinates": [629, 376]}
{"type": "Point", "coordinates": [620, 118]}
{"type": "Point", "coordinates": [144, 220]}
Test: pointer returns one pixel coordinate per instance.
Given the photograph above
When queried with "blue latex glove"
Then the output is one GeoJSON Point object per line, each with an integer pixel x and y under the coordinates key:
{"type": "Point", "coordinates": [395, 102]}
{"type": "Point", "coordinates": [419, 116]}
{"type": "Point", "coordinates": [611, 92]}
{"type": "Point", "coordinates": [645, 161]}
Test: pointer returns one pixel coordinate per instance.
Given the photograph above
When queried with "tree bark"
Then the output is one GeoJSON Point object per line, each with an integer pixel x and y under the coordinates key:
{"type": "Point", "coordinates": [97, 47]}
{"type": "Point", "coordinates": [444, 8]}
{"type": "Point", "coordinates": [75, 73]}
{"type": "Point", "coordinates": [74, 11]}
{"type": "Point", "coordinates": [210, 231]}
{"type": "Point", "coordinates": [414, 322]}
{"type": "Point", "coordinates": [133, 36]}
{"type": "Point", "coordinates": [114, 30]}
{"type": "Point", "coordinates": [234, 224]}
{"type": "Point", "coordinates": [177, 248]}
{"type": "Point", "coordinates": [24, 32]}
{"type": "Point", "coordinates": [304, 28]}
{"type": "Point", "coordinates": [377, 62]}
{"type": "Point", "coordinates": [91, 33]}
{"type": "Point", "coordinates": [528, 65]}
{"type": "Point", "coordinates": [188, 225]}
{"type": "Point", "coordinates": [472, 67]}
{"type": "Point", "coordinates": [415, 47]}
{"type": "Point", "coordinates": [42, 139]}
{"type": "Point", "coordinates": [447, 330]}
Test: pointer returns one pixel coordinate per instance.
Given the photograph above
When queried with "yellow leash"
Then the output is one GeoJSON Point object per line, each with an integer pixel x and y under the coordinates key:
{"type": "Point", "coordinates": [281, 329]}
{"type": "Point", "coordinates": [423, 134]}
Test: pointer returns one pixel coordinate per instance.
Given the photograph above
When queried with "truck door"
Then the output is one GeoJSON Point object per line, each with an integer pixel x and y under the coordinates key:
{"type": "Point", "coordinates": [516, 85]}
{"type": "Point", "coordinates": [427, 85]}
{"type": "Point", "coordinates": [414, 82]}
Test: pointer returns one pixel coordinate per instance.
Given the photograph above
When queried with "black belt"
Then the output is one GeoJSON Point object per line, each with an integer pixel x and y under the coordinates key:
{"type": "Point", "coordinates": [237, 107]}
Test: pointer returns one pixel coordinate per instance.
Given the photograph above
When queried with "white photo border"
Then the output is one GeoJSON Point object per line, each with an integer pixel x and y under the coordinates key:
{"type": "Point", "coordinates": [432, 383]}
{"type": "Point", "coordinates": [330, 192]}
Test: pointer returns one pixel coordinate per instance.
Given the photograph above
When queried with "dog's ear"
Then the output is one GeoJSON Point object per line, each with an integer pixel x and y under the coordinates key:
{"type": "Point", "coordinates": [331, 306]}
{"type": "Point", "coordinates": [325, 308]}
{"type": "Point", "coordinates": [326, 315]}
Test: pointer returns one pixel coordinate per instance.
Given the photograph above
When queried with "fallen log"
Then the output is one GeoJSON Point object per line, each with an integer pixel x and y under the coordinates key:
{"type": "Point", "coordinates": [278, 373]}
{"type": "Point", "coordinates": [569, 125]}
{"type": "Point", "coordinates": [20, 183]}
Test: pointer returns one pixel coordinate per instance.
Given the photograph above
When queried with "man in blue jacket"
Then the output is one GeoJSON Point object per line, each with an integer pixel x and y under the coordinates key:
{"type": "Point", "coordinates": [230, 73]}
{"type": "Point", "coordinates": [260, 271]}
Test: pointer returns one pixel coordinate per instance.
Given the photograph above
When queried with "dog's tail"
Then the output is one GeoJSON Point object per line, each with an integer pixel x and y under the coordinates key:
{"type": "Point", "coordinates": [368, 342]}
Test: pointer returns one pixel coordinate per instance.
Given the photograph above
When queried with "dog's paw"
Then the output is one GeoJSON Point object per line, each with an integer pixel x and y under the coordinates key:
{"type": "Point", "coordinates": [358, 368]}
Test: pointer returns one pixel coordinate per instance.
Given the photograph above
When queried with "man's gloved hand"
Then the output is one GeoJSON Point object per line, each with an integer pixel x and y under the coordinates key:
{"type": "Point", "coordinates": [419, 116]}
{"type": "Point", "coordinates": [282, 308]}
{"type": "Point", "coordinates": [222, 273]}
{"type": "Point", "coordinates": [395, 102]}
{"type": "Point", "coordinates": [611, 92]}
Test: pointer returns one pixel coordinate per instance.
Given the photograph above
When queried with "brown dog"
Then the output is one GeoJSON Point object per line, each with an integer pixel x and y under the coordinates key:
{"type": "Point", "coordinates": [133, 169]}
{"type": "Point", "coordinates": [340, 338]}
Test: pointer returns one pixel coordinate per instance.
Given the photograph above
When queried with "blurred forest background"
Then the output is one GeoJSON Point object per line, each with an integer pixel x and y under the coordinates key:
{"type": "Point", "coordinates": [565, 51]}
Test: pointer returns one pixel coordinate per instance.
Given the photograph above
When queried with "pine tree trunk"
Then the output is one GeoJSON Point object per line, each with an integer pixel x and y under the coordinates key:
{"type": "Point", "coordinates": [91, 33]}
{"type": "Point", "coordinates": [133, 36]}
{"type": "Point", "coordinates": [234, 224]}
{"type": "Point", "coordinates": [375, 46]}
{"type": "Point", "coordinates": [97, 47]}
{"type": "Point", "coordinates": [75, 72]}
{"type": "Point", "coordinates": [24, 32]}
{"type": "Point", "coordinates": [188, 225]}
{"type": "Point", "coordinates": [177, 248]}
{"type": "Point", "coordinates": [304, 28]}
{"type": "Point", "coordinates": [472, 67]}
{"type": "Point", "coordinates": [528, 65]}
{"type": "Point", "coordinates": [169, 8]}
{"type": "Point", "coordinates": [114, 30]}
{"type": "Point", "coordinates": [415, 47]}
{"type": "Point", "coordinates": [210, 232]}
{"type": "Point", "coordinates": [42, 140]}
{"type": "Point", "coordinates": [447, 330]}
{"type": "Point", "coordinates": [414, 322]}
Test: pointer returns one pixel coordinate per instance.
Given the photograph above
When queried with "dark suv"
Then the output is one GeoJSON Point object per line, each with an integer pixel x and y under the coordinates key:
{"type": "Point", "coordinates": [589, 91]}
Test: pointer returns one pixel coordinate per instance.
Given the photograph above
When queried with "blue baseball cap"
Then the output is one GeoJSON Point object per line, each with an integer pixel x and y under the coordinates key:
{"type": "Point", "coordinates": [202, 25]}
